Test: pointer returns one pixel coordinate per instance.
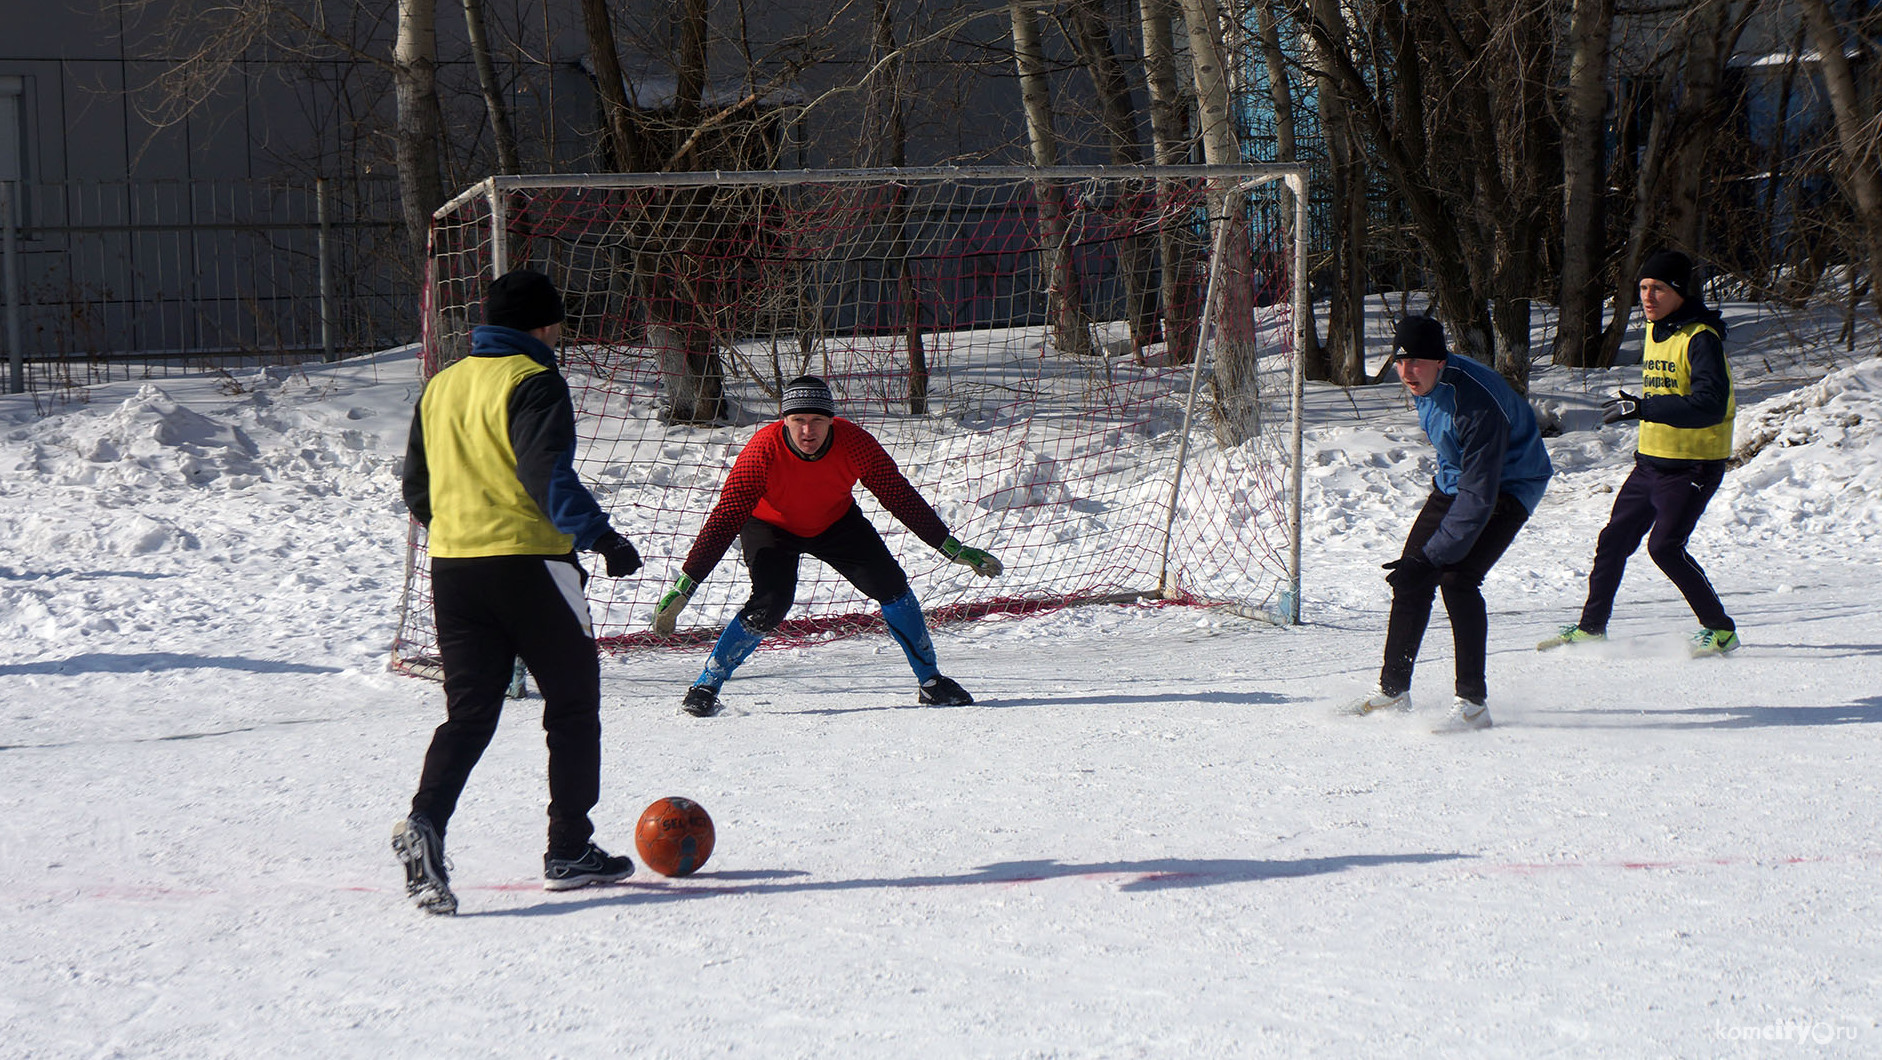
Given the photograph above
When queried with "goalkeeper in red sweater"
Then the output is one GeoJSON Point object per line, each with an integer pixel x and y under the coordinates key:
{"type": "Point", "coordinates": [790, 494]}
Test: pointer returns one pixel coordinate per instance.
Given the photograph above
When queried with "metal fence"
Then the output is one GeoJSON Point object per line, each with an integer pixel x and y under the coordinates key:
{"type": "Point", "coordinates": [133, 279]}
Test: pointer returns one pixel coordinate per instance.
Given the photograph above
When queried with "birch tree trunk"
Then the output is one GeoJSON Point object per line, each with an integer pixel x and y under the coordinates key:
{"type": "Point", "coordinates": [1070, 335]}
{"type": "Point", "coordinates": [1236, 380]}
{"type": "Point", "coordinates": [415, 61]}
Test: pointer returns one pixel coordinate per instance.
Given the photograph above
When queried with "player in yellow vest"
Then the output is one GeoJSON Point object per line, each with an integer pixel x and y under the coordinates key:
{"type": "Point", "coordinates": [490, 471]}
{"type": "Point", "coordinates": [1685, 408]}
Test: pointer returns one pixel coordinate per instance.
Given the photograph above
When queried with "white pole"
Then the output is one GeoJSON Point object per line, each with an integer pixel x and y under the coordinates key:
{"type": "Point", "coordinates": [1303, 309]}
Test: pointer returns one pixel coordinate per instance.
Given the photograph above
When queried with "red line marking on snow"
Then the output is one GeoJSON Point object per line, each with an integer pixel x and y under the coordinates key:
{"type": "Point", "coordinates": [1530, 868]}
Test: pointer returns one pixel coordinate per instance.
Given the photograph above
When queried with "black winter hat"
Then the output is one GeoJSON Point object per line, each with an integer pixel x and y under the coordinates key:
{"type": "Point", "coordinates": [1419, 339]}
{"type": "Point", "coordinates": [523, 299]}
{"type": "Point", "coordinates": [807, 393]}
{"type": "Point", "coordinates": [1670, 267]}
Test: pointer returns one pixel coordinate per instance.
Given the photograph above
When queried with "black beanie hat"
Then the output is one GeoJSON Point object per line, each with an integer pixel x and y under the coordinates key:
{"type": "Point", "coordinates": [523, 299]}
{"type": "Point", "coordinates": [1419, 338]}
{"type": "Point", "coordinates": [807, 393]}
{"type": "Point", "coordinates": [1670, 267]}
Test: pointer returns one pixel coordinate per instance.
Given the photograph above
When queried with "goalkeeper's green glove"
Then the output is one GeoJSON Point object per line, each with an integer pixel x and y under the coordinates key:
{"type": "Point", "coordinates": [985, 564]}
{"type": "Point", "coordinates": [666, 613]}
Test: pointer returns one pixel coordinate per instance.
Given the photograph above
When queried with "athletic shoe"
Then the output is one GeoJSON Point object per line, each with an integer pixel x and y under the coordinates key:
{"type": "Point", "coordinates": [938, 691]}
{"type": "Point", "coordinates": [1378, 702]}
{"type": "Point", "coordinates": [701, 702]}
{"type": "Point", "coordinates": [1465, 714]}
{"type": "Point", "coordinates": [427, 882]}
{"type": "Point", "coordinates": [1714, 642]}
{"type": "Point", "coordinates": [1570, 634]}
{"type": "Point", "coordinates": [595, 865]}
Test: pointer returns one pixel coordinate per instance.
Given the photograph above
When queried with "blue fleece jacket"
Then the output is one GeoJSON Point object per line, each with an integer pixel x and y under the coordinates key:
{"type": "Point", "coordinates": [1487, 443]}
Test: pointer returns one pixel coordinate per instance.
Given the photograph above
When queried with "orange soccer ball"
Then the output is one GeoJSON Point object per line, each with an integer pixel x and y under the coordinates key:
{"type": "Point", "coordinates": [674, 836]}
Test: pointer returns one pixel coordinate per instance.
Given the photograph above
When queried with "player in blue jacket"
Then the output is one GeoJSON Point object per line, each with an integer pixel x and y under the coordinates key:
{"type": "Point", "coordinates": [1492, 470]}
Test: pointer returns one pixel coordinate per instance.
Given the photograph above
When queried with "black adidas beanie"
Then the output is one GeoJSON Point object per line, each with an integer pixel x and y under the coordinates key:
{"type": "Point", "coordinates": [1670, 267]}
{"type": "Point", "coordinates": [1419, 339]}
{"type": "Point", "coordinates": [523, 299]}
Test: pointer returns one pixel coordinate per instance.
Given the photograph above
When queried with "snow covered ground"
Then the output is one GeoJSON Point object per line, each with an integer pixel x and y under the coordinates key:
{"type": "Point", "coordinates": [1151, 836]}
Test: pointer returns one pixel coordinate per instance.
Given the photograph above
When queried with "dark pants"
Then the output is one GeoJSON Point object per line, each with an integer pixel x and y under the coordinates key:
{"type": "Point", "coordinates": [850, 546]}
{"type": "Point", "coordinates": [1667, 499]}
{"type": "Point", "coordinates": [490, 612]}
{"type": "Point", "coordinates": [1461, 584]}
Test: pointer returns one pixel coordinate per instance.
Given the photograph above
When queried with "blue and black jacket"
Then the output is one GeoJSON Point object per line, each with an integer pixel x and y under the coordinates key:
{"type": "Point", "coordinates": [1487, 443]}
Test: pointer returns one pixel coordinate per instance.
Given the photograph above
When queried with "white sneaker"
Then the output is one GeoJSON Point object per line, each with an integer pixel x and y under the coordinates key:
{"type": "Point", "coordinates": [1380, 700]}
{"type": "Point", "coordinates": [1464, 716]}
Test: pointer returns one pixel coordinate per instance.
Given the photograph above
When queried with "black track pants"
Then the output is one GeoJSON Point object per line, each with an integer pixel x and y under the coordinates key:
{"type": "Point", "coordinates": [1667, 501]}
{"type": "Point", "coordinates": [1461, 584]}
{"type": "Point", "coordinates": [850, 546]}
{"type": "Point", "coordinates": [491, 611]}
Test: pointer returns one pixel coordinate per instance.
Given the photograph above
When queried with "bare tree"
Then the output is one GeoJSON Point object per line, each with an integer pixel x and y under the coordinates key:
{"type": "Point", "coordinates": [1343, 354]}
{"type": "Point", "coordinates": [1584, 180]}
{"type": "Point", "coordinates": [507, 161]}
{"type": "Point", "coordinates": [415, 61]}
{"type": "Point", "coordinates": [1170, 147]}
{"type": "Point", "coordinates": [891, 147]}
{"type": "Point", "coordinates": [611, 86]}
{"type": "Point", "coordinates": [1682, 107]}
{"type": "Point", "coordinates": [1070, 333]}
{"type": "Point", "coordinates": [1858, 136]}
{"type": "Point", "coordinates": [1236, 381]}
{"type": "Point", "coordinates": [1090, 32]}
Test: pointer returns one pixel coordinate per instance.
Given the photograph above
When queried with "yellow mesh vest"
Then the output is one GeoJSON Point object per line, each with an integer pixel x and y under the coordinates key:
{"type": "Point", "coordinates": [1665, 369]}
{"type": "Point", "coordinates": [478, 507]}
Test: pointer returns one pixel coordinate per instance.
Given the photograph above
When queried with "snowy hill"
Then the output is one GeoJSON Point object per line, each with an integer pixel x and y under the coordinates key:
{"type": "Point", "coordinates": [1151, 836]}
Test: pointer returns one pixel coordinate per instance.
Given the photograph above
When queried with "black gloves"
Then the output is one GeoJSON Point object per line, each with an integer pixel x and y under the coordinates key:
{"type": "Point", "coordinates": [1624, 407]}
{"type": "Point", "coordinates": [622, 559]}
{"type": "Point", "coordinates": [1407, 571]}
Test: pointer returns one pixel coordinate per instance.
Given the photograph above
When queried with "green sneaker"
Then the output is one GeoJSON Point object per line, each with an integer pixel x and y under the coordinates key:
{"type": "Point", "coordinates": [1570, 634]}
{"type": "Point", "coordinates": [1713, 642]}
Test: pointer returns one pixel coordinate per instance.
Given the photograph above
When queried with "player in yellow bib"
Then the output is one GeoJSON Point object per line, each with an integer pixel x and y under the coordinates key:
{"type": "Point", "coordinates": [1685, 408]}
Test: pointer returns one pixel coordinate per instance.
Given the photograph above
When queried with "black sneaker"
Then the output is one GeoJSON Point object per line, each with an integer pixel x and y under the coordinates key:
{"type": "Point", "coordinates": [701, 702]}
{"type": "Point", "coordinates": [427, 883]}
{"type": "Point", "coordinates": [594, 866]}
{"type": "Point", "coordinates": [938, 691]}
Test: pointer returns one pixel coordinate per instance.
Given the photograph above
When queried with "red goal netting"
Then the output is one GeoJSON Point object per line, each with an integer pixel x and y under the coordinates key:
{"type": "Point", "coordinates": [1089, 373]}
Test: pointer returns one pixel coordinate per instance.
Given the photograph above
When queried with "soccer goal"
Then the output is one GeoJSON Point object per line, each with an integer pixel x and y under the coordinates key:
{"type": "Point", "coordinates": [1090, 372]}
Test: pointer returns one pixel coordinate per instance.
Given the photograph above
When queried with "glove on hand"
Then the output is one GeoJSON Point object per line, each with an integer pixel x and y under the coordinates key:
{"type": "Point", "coordinates": [984, 563]}
{"type": "Point", "coordinates": [666, 613]}
{"type": "Point", "coordinates": [621, 556]}
{"type": "Point", "coordinates": [1407, 571]}
{"type": "Point", "coordinates": [1624, 407]}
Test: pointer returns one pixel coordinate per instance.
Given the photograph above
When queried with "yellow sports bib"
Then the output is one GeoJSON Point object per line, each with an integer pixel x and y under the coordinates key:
{"type": "Point", "coordinates": [1666, 369]}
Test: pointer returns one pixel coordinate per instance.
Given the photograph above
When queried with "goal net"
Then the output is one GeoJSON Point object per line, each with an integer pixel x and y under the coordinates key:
{"type": "Point", "coordinates": [1090, 372]}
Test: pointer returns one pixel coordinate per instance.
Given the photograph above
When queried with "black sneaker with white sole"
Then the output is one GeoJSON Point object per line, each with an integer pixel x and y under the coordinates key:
{"type": "Point", "coordinates": [938, 691]}
{"type": "Point", "coordinates": [595, 865]}
{"type": "Point", "coordinates": [427, 882]}
{"type": "Point", "coordinates": [701, 702]}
